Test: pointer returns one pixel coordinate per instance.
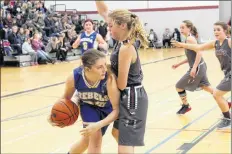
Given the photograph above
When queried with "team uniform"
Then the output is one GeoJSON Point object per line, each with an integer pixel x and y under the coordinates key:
{"type": "Point", "coordinates": [223, 53]}
{"type": "Point", "coordinates": [189, 83]}
{"type": "Point", "coordinates": [133, 103]}
{"type": "Point", "coordinates": [93, 101]}
{"type": "Point", "coordinates": [88, 41]}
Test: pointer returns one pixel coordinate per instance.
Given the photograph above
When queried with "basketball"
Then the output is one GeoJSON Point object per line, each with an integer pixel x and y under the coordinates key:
{"type": "Point", "coordinates": [64, 112]}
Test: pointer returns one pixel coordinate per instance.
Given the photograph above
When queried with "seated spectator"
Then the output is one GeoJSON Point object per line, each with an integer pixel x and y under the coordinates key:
{"type": "Point", "coordinates": [167, 37]}
{"type": "Point", "coordinates": [8, 51]}
{"type": "Point", "coordinates": [21, 34]}
{"type": "Point", "coordinates": [38, 46]}
{"type": "Point", "coordinates": [19, 20]}
{"type": "Point", "coordinates": [49, 25]}
{"type": "Point", "coordinates": [27, 49]}
{"type": "Point", "coordinates": [102, 30]}
{"type": "Point", "coordinates": [62, 49]}
{"type": "Point", "coordinates": [8, 21]}
{"type": "Point", "coordinates": [15, 40]}
{"type": "Point", "coordinates": [176, 35]}
{"type": "Point", "coordinates": [152, 37]}
{"type": "Point", "coordinates": [2, 32]}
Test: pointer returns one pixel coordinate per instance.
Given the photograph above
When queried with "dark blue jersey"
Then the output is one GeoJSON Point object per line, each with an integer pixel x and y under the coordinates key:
{"type": "Point", "coordinates": [93, 95]}
{"type": "Point", "coordinates": [87, 41]}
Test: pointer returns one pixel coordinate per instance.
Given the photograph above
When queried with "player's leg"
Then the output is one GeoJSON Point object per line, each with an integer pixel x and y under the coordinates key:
{"type": "Point", "coordinates": [115, 132]}
{"type": "Point", "coordinates": [95, 142]}
{"type": "Point", "coordinates": [223, 105]}
{"type": "Point", "coordinates": [223, 88]}
{"type": "Point", "coordinates": [80, 146]}
{"type": "Point", "coordinates": [180, 88]}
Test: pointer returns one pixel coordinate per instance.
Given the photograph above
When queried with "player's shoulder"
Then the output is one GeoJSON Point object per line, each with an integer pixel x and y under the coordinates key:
{"type": "Point", "coordinates": [78, 70]}
{"type": "Point", "coordinates": [191, 39]}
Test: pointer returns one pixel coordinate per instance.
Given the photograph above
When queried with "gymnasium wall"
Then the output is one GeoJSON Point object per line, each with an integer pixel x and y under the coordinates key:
{"type": "Point", "coordinates": [159, 20]}
{"type": "Point", "coordinates": [158, 14]}
{"type": "Point", "coordinates": [90, 5]}
{"type": "Point", "coordinates": [224, 10]}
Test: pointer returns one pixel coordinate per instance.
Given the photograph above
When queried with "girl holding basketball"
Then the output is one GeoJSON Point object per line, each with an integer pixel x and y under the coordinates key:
{"type": "Point", "coordinates": [89, 39]}
{"type": "Point", "coordinates": [222, 45]}
{"type": "Point", "coordinates": [196, 76]}
{"type": "Point", "coordinates": [98, 99]}
{"type": "Point", "coordinates": [125, 27]}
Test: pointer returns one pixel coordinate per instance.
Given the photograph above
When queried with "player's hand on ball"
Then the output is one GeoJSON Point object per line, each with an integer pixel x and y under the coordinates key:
{"type": "Point", "coordinates": [54, 124]}
{"type": "Point", "coordinates": [91, 127]}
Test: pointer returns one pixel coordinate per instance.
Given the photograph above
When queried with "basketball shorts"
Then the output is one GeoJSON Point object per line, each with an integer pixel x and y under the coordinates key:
{"type": "Point", "coordinates": [132, 116]}
{"type": "Point", "coordinates": [225, 84]}
{"type": "Point", "coordinates": [92, 113]}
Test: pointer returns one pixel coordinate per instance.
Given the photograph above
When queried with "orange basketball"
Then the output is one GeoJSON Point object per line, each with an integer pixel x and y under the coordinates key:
{"type": "Point", "coordinates": [64, 112]}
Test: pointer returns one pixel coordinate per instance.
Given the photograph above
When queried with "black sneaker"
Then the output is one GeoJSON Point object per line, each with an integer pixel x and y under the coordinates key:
{"type": "Point", "coordinates": [224, 124]}
{"type": "Point", "coordinates": [184, 109]}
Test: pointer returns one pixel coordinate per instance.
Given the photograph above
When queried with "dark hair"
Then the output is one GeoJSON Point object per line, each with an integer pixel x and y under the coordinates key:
{"type": "Point", "coordinates": [90, 57]}
{"type": "Point", "coordinates": [88, 20]}
{"type": "Point", "coordinates": [222, 24]}
{"type": "Point", "coordinates": [229, 31]}
{"type": "Point", "coordinates": [190, 25]}
{"type": "Point", "coordinates": [229, 22]}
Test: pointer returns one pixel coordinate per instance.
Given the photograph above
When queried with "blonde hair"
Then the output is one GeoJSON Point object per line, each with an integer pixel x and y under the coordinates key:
{"type": "Point", "coordinates": [134, 25]}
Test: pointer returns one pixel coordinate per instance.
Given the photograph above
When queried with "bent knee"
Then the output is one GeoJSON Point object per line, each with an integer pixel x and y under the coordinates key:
{"type": "Point", "coordinates": [216, 94]}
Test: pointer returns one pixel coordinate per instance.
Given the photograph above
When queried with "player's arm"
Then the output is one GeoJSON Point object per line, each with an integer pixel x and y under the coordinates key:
{"type": "Point", "coordinates": [77, 42]}
{"type": "Point", "coordinates": [192, 40]}
{"type": "Point", "coordinates": [183, 62]}
{"type": "Point", "coordinates": [102, 9]}
{"type": "Point", "coordinates": [68, 93]}
{"type": "Point", "coordinates": [195, 47]}
{"type": "Point", "coordinates": [124, 62]}
{"type": "Point", "coordinates": [101, 42]}
{"type": "Point", "coordinates": [113, 94]}
{"type": "Point", "coordinates": [69, 88]}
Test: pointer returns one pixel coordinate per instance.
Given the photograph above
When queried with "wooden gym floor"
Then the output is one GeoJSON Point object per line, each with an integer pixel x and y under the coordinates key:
{"type": "Point", "coordinates": [28, 94]}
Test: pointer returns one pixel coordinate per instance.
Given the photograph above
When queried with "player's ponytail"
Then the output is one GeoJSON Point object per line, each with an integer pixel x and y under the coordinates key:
{"type": "Point", "coordinates": [192, 28]}
{"type": "Point", "coordinates": [134, 25]}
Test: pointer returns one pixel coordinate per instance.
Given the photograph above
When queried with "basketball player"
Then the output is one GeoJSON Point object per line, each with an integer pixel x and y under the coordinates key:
{"type": "Point", "coordinates": [196, 76]}
{"type": "Point", "coordinates": [89, 39]}
{"type": "Point", "coordinates": [222, 46]}
{"type": "Point", "coordinates": [125, 28]}
{"type": "Point", "coordinates": [98, 100]}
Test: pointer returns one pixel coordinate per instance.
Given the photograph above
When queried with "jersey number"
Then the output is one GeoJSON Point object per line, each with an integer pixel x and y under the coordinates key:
{"type": "Point", "coordinates": [85, 45]}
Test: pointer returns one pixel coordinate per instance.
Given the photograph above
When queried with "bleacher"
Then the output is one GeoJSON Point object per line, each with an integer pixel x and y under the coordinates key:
{"type": "Point", "coordinates": [25, 60]}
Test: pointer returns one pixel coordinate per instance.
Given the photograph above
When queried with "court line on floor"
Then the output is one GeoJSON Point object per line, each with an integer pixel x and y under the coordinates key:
{"type": "Point", "coordinates": [60, 83]}
{"type": "Point", "coordinates": [199, 138]}
{"type": "Point", "coordinates": [30, 90]}
{"type": "Point", "coordinates": [179, 131]}
{"type": "Point", "coordinates": [6, 119]}
{"type": "Point", "coordinates": [203, 135]}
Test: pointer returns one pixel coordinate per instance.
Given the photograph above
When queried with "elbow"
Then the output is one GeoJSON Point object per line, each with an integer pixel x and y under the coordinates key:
{"type": "Point", "coordinates": [121, 83]}
{"type": "Point", "coordinates": [199, 53]}
{"type": "Point", "coordinates": [74, 46]}
{"type": "Point", "coordinates": [121, 86]}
